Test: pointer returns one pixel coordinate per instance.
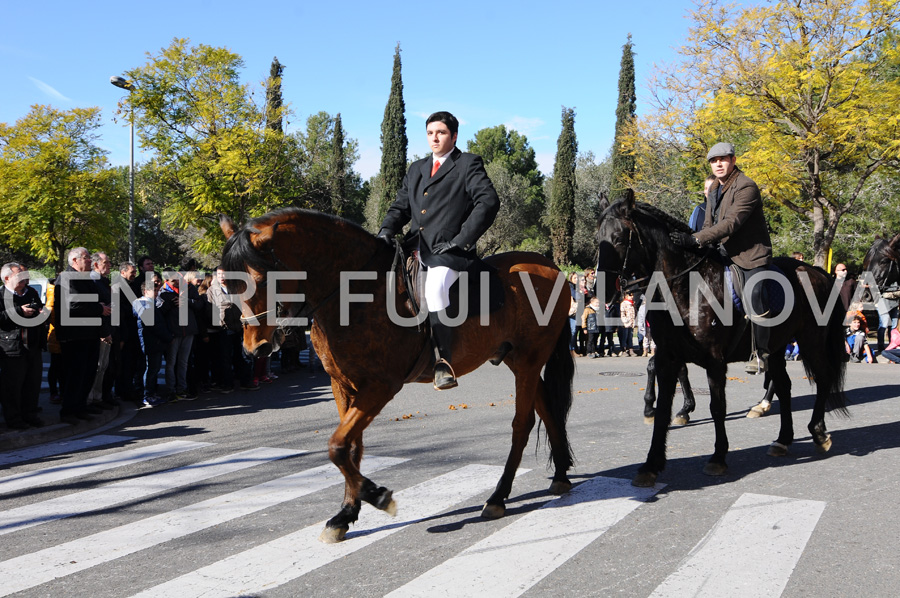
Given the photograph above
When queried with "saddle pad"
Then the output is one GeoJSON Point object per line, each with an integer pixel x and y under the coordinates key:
{"type": "Point", "coordinates": [495, 292]}
{"type": "Point", "coordinates": [772, 288]}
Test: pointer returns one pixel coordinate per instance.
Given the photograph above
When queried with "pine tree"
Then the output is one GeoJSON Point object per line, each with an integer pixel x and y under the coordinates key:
{"type": "Point", "coordinates": [393, 146]}
{"type": "Point", "coordinates": [623, 162]}
{"type": "Point", "coordinates": [562, 197]}
{"type": "Point", "coordinates": [273, 97]}
{"type": "Point", "coordinates": [338, 169]}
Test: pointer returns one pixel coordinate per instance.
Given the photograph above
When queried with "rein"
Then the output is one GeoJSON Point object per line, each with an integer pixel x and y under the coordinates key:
{"type": "Point", "coordinates": [643, 282]}
{"type": "Point", "coordinates": [279, 265]}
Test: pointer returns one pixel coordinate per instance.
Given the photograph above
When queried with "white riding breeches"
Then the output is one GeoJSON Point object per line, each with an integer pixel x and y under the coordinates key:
{"type": "Point", "coordinates": [438, 281]}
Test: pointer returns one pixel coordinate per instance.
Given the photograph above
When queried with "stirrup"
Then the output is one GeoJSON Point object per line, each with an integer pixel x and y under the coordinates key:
{"type": "Point", "coordinates": [444, 376]}
{"type": "Point", "coordinates": [756, 365]}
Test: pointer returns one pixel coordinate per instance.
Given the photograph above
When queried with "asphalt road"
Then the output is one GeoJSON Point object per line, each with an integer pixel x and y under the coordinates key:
{"type": "Point", "coordinates": [801, 525]}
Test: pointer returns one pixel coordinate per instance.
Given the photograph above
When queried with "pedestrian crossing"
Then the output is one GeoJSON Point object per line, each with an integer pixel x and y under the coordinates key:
{"type": "Point", "coordinates": [519, 552]}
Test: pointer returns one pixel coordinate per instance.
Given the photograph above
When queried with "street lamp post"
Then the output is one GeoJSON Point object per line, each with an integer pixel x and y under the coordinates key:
{"type": "Point", "coordinates": [127, 85]}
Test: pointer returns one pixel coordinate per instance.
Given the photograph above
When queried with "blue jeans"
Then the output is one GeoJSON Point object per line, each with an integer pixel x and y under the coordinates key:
{"type": "Point", "coordinates": [177, 357]}
{"type": "Point", "coordinates": [154, 363]}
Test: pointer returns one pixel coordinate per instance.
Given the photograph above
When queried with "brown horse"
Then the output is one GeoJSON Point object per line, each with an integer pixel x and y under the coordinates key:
{"type": "Point", "coordinates": [370, 356]}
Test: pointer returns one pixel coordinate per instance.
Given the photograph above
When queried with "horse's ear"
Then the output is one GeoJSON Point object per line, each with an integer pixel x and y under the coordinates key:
{"type": "Point", "coordinates": [227, 225]}
{"type": "Point", "coordinates": [604, 202]}
{"type": "Point", "coordinates": [629, 199]}
{"type": "Point", "coordinates": [260, 237]}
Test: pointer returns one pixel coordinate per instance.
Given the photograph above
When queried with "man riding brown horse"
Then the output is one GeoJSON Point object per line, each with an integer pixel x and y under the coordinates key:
{"type": "Point", "coordinates": [451, 203]}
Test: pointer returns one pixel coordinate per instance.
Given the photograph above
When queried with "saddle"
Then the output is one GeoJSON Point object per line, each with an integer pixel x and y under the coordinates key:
{"type": "Point", "coordinates": [478, 290]}
{"type": "Point", "coordinates": [774, 292]}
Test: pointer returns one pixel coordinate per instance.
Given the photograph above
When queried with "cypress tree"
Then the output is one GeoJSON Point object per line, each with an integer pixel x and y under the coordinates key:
{"type": "Point", "coordinates": [393, 142]}
{"type": "Point", "coordinates": [273, 97]}
{"type": "Point", "coordinates": [562, 197]}
{"type": "Point", "coordinates": [338, 169]}
{"type": "Point", "coordinates": [623, 162]}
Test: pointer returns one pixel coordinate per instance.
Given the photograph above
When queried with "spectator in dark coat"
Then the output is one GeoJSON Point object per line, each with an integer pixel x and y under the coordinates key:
{"type": "Point", "coordinates": [78, 329]}
{"type": "Point", "coordinates": [20, 348]}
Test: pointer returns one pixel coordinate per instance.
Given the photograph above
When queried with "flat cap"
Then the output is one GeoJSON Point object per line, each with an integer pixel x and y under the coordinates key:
{"type": "Point", "coordinates": [723, 148]}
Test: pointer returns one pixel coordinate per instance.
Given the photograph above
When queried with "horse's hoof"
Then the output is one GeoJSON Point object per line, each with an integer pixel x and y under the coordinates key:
{"type": "Point", "coordinates": [644, 480]}
{"type": "Point", "coordinates": [391, 508]}
{"type": "Point", "coordinates": [681, 420]}
{"type": "Point", "coordinates": [492, 511]}
{"type": "Point", "coordinates": [333, 535]}
{"type": "Point", "coordinates": [759, 410]}
{"type": "Point", "coordinates": [648, 420]}
{"type": "Point", "coordinates": [558, 488]}
{"type": "Point", "coordinates": [715, 469]}
{"type": "Point", "coordinates": [776, 449]}
{"type": "Point", "coordinates": [825, 446]}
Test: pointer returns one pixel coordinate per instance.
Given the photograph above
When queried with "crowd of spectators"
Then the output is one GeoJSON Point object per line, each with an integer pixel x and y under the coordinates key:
{"type": "Point", "coordinates": [111, 334]}
{"type": "Point", "coordinates": [596, 325]}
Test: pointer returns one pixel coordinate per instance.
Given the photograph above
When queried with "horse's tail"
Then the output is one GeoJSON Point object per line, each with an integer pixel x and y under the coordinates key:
{"type": "Point", "coordinates": [558, 375]}
{"type": "Point", "coordinates": [835, 357]}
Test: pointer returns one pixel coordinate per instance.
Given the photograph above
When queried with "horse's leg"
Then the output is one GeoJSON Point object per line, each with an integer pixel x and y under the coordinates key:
{"type": "Point", "coordinates": [345, 449]}
{"type": "Point", "coordinates": [527, 388]}
{"type": "Point", "coordinates": [684, 416]}
{"type": "Point", "coordinates": [716, 376]}
{"type": "Point", "coordinates": [666, 370]}
{"type": "Point", "coordinates": [559, 445]}
{"type": "Point", "coordinates": [817, 429]}
{"type": "Point", "coordinates": [650, 391]}
{"type": "Point", "coordinates": [780, 384]}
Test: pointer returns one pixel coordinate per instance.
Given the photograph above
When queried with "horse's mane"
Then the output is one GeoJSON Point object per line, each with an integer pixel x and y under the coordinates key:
{"type": "Point", "coordinates": [665, 218]}
{"type": "Point", "coordinates": [239, 251]}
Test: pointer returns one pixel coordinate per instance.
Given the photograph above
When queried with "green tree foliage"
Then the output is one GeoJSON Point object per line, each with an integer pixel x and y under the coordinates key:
{"type": "Point", "coordinates": [800, 88]}
{"type": "Point", "coordinates": [592, 182]}
{"type": "Point", "coordinates": [394, 145]}
{"type": "Point", "coordinates": [274, 102]}
{"type": "Point", "coordinates": [321, 163]}
{"type": "Point", "coordinates": [338, 169]}
{"type": "Point", "coordinates": [511, 227]}
{"type": "Point", "coordinates": [561, 217]}
{"type": "Point", "coordinates": [57, 190]}
{"type": "Point", "coordinates": [213, 151]}
{"type": "Point", "coordinates": [510, 150]}
{"type": "Point", "coordinates": [623, 161]}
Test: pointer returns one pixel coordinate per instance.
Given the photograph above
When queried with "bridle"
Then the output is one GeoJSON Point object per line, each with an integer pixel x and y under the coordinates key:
{"type": "Point", "coordinates": [640, 284]}
{"type": "Point", "coordinates": [304, 310]}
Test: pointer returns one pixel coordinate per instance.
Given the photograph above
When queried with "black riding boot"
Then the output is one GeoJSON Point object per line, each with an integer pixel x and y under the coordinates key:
{"type": "Point", "coordinates": [760, 330]}
{"type": "Point", "coordinates": [444, 377]}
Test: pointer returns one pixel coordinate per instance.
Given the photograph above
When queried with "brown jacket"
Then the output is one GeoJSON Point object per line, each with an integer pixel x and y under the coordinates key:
{"type": "Point", "coordinates": [740, 225]}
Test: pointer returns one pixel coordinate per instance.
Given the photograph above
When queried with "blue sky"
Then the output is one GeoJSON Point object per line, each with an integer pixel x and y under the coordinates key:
{"type": "Point", "coordinates": [490, 63]}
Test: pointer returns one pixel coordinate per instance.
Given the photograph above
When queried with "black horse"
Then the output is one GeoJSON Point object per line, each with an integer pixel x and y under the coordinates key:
{"type": "Point", "coordinates": [634, 242]}
{"type": "Point", "coordinates": [882, 262]}
{"type": "Point", "coordinates": [682, 417]}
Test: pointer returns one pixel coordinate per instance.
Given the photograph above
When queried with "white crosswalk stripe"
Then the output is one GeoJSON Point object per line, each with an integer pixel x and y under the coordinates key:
{"type": "Point", "coordinates": [76, 469]}
{"type": "Point", "coordinates": [735, 558]}
{"type": "Point", "coordinates": [518, 553]}
{"type": "Point", "coordinates": [512, 560]}
{"type": "Point", "coordinates": [63, 447]}
{"type": "Point", "coordinates": [46, 565]}
{"type": "Point", "coordinates": [289, 557]}
{"type": "Point", "coordinates": [120, 492]}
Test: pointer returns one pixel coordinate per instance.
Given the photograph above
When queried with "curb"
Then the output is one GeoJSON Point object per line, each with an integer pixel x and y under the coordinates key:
{"type": "Point", "coordinates": [16, 439]}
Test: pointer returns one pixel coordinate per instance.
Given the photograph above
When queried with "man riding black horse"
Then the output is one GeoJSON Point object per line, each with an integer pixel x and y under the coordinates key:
{"type": "Point", "coordinates": [735, 220]}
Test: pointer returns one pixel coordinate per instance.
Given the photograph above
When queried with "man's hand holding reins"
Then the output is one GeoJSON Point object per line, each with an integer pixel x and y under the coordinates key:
{"type": "Point", "coordinates": [686, 240]}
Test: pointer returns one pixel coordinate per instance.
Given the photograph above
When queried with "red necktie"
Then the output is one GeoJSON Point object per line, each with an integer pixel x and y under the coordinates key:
{"type": "Point", "coordinates": [434, 168]}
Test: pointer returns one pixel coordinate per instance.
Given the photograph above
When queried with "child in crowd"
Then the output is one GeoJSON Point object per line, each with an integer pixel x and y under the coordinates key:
{"type": "Point", "coordinates": [590, 322]}
{"type": "Point", "coordinates": [857, 347]}
{"type": "Point", "coordinates": [155, 338]}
